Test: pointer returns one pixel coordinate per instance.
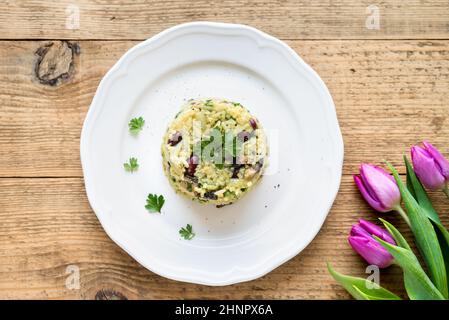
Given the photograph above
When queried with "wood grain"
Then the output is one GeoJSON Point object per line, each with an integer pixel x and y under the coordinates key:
{"type": "Point", "coordinates": [389, 85]}
{"type": "Point", "coordinates": [388, 95]}
{"type": "Point", "coordinates": [47, 225]}
{"type": "Point", "coordinates": [287, 19]}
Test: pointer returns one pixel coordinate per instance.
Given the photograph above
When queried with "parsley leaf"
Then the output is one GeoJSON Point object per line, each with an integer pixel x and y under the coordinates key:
{"type": "Point", "coordinates": [132, 165]}
{"type": "Point", "coordinates": [219, 165]}
{"type": "Point", "coordinates": [230, 147]}
{"type": "Point", "coordinates": [155, 203]}
{"type": "Point", "coordinates": [209, 103]}
{"type": "Point", "coordinates": [187, 232]}
{"type": "Point", "coordinates": [135, 125]}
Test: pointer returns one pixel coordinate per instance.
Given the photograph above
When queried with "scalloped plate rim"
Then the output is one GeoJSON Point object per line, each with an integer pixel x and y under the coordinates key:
{"type": "Point", "coordinates": [101, 209]}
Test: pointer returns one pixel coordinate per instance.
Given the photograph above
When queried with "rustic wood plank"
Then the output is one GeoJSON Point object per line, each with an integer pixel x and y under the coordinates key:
{"type": "Point", "coordinates": [287, 19]}
{"type": "Point", "coordinates": [47, 225]}
{"type": "Point", "coordinates": [388, 94]}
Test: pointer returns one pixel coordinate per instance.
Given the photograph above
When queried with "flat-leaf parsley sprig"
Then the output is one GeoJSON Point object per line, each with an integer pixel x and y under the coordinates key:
{"type": "Point", "coordinates": [135, 125]}
{"type": "Point", "coordinates": [132, 165]}
{"type": "Point", "coordinates": [187, 232]}
{"type": "Point", "coordinates": [155, 202]}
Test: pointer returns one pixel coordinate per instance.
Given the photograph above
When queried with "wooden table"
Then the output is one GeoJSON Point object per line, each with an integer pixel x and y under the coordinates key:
{"type": "Point", "coordinates": [390, 86]}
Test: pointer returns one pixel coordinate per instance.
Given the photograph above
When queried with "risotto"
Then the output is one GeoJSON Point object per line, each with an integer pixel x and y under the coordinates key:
{"type": "Point", "coordinates": [214, 151]}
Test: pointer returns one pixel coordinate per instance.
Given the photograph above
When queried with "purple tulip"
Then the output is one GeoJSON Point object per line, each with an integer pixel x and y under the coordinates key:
{"type": "Point", "coordinates": [362, 241]}
{"type": "Point", "coordinates": [430, 166]}
{"type": "Point", "coordinates": [378, 188]}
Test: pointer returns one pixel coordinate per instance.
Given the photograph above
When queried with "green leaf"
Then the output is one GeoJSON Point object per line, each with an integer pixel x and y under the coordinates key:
{"type": "Point", "coordinates": [223, 151]}
{"type": "Point", "coordinates": [132, 165]}
{"type": "Point", "coordinates": [366, 296]}
{"type": "Point", "coordinates": [419, 193]}
{"type": "Point", "coordinates": [219, 165]}
{"type": "Point", "coordinates": [154, 203]}
{"type": "Point", "coordinates": [409, 185]}
{"type": "Point", "coordinates": [417, 283]}
{"type": "Point", "coordinates": [398, 237]}
{"type": "Point", "coordinates": [362, 289]}
{"type": "Point", "coordinates": [209, 103]}
{"type": "Point", "coordinates": [421, 196]}
{"type": "Point", "coordinates": [187, 232]}
{"type": "Point", "coordinates": [425, 235]}
{"type": "Point", "coordinates": [443, 239]}
{"type": "Point", "coordinates": [401, 242]}
{"type": "Point", "coordinates": [135, 125]}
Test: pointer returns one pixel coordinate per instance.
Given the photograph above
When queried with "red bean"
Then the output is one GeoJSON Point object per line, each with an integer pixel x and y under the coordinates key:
{"type": "Point", "coordinates": [175, 139]}
{"type": "Point", "coordinates": [193, 163]}
{"type": "Point", "coordinates": [210, 195]}
{"type": "Point", "coordinates": [235, 171]}
{"type": "Point", "coordinates": [253, 123]}
{"type": "Point", "coordinates": [258, 165]}
{"type": "Point", "coordinates": [243, 136]}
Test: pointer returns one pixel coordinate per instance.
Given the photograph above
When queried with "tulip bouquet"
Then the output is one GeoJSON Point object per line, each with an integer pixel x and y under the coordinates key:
{"type": "Point", "coordinates": [383, 247]}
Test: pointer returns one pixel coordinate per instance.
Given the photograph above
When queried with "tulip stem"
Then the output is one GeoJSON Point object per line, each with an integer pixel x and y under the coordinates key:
{"type": "Point", "coordinates": [446, 191]}
{"type": "Point", "coordinates": [403, 214]}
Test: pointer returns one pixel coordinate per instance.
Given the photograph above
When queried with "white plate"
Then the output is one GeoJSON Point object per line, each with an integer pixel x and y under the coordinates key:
{"type": "Point", "coordinates": [271, 224]}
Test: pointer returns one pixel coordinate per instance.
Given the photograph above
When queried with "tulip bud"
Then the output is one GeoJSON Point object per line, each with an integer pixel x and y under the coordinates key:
{"type": "Point", "coordinates": [362, 241]}
{"type": "Point", "coordinates": [430, 166]}
{"type": "Point", "coordinates": [378, 188]}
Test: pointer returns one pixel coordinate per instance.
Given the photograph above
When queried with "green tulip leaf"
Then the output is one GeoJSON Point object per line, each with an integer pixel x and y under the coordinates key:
{"type": "Point", "coordinates": [368, 297]}
{"type": "Point", "coordinates": [443, 239]}
{"type": "Point", "coordinates": [417, 283]}
{"type": "Point", "coordinates": [419, 193]}
{"type": "Point", "coordinates": [398, 237]}
{"type": "Point", "coordinates": [412, 285]}
{"type": "Point", "coordinates": [362, 289]}
{"type": "Point", "coordinates": [409, 185]}
{"type": "Point", "coordinates": [415, 290]}
{"type": "Point", "coordinates": [425, 235]}
{"type": "Point", "coordinates": [421, 196]}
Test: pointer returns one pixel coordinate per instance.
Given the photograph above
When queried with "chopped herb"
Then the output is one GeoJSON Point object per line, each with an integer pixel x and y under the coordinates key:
{"type": "Point", "coordinates": [230, 144]}
{"type": "Point", "coordinates": [219, 165]}
{"type": "Point", "coordinates": [135, 125]}
{"type": "Point", "coordinates": [187, 232]}
{"type": "Point", "coordinates": [236, 104]}
{"type": "Point", "coordinates": [209, 103]}
{"type": "Point", "coordinates": [132, 165]}
{"type": "Point", "coordinates": [229, 193]}
{"type": "Point", "coordinates": [189, 187]}
{"type": "Point", "coordinates": [155, 203]}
